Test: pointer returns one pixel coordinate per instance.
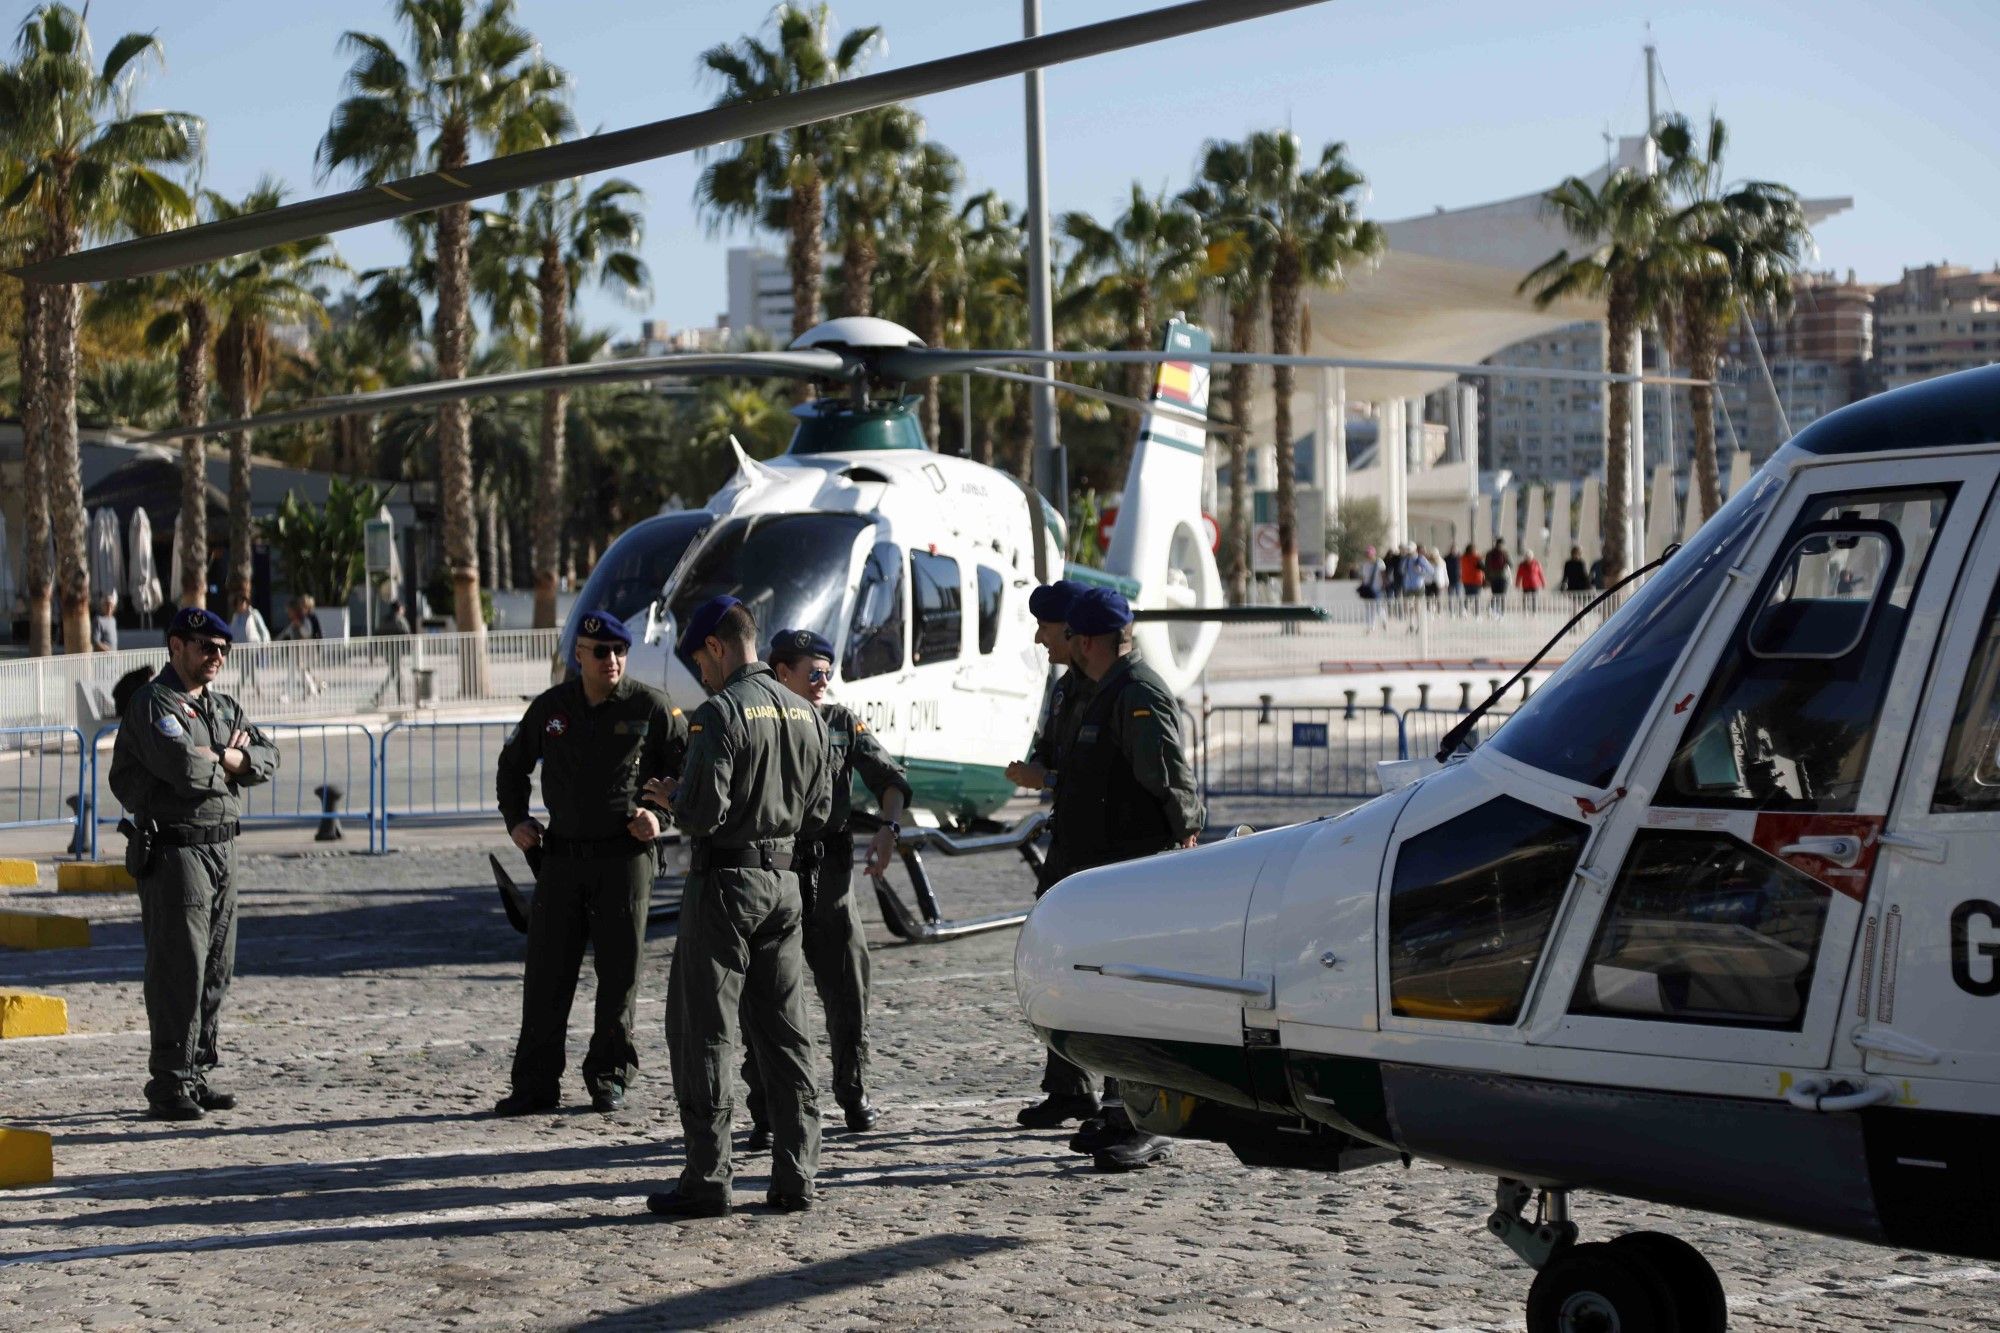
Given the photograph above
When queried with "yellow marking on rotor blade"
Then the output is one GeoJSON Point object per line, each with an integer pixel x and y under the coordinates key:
{"type": "Point", "coordinates": [447, 176]}
{"type": "Point", "coordinates": [394, 194]}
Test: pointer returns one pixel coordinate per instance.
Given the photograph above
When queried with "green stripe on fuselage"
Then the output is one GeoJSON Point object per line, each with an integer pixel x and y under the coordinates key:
{"type": "Point", "coordinates": [974, 791]}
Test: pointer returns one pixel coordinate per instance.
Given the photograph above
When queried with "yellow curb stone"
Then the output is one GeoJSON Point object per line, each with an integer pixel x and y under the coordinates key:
{"type": "Point", "coordinates": [16, 873]}
{"type": "Point", "coordinates": [94, 877]}
{"type": "Point", "coordinates": [26, 1014]}
{"type": "Point", "coordinates": [42, 930]}
{"type": "Point", "coordinates": [27, 1157]}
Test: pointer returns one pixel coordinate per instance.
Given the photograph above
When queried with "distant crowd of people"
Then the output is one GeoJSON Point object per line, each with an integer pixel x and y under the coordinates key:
{"type": "Point", "coordinates": [1466, 582]}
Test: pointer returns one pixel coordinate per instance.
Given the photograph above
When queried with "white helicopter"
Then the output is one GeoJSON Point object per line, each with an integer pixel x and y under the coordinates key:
{"type": "Point", "coordinates": [1707, 922]}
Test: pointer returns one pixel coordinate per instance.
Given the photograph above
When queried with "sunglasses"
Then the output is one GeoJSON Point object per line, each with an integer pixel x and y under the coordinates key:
{"type": "Point", "coordinates": [819, 676]}
{"type": "Point", "coordinates": [210, 647]}
{"type": "Point", "coordinates": [600, 651]}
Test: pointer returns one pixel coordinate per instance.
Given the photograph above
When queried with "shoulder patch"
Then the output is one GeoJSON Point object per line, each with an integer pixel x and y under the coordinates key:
{"type": "Point", "coordinates": [1142, 712]}
{"type": "Point", "coordinates": [694, 726]}
{"type": "Point", "coordinates": [170, 726]}
{"type": "Point", "coordinates": [557, 724]}
{"type": "Point", "coordinates": [860, 727]}
{"type": "Point", "coordinates": [676, 712]}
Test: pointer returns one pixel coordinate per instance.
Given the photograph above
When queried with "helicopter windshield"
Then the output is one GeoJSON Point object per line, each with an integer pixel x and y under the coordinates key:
{"type": "Point", "coordinates": [791, 570]}
{"type": "Point", "coordinates": [1579, 725]}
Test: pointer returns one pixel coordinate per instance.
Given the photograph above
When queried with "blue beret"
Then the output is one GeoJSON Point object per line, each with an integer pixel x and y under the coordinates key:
{"type": "Point", "coordinates": [604, 626]}
{"type": "Point", "coordinates": [702, 624]}
{"type": "Point", "coordinates": [792, 645]}
{"type": "Point", "coordinates": [190, 621]}
{"type": "Point", "coordinates": [1051, 600]}
{"type": "Point", "coordinates": [1099, 611]}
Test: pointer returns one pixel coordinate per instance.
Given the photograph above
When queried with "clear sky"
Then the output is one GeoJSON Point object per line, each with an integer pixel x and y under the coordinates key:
{"type": "Point", "coordinates": [1441, 102]}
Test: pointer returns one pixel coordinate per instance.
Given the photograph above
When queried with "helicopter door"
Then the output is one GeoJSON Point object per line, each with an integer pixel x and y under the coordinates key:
{"type": "Point", "coordinates": [1927, 1000]}
{"type": "Point", "coordinates": [1718, 920]}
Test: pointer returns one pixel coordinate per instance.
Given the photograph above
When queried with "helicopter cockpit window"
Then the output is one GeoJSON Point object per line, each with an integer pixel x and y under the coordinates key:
{"type": "Point", "coordinates": [875, 627]}
{"type": "Point", "coordinates": [1789, 715]}
{"type": "Point", "coordinates": [990, 586]}
{"type": "Point", "coordinates": [791, 570]}
{"type": "Point", "coordinates": [935, 608]}
{"type": "Point", "coordinates": [1969, 779]}
{"type": "Point", "coordinates": [1471, 907]}
{"type": "Point", "coordinates": [1611, 679]}
{"type": "Point", "coordinates": [1702, 928]}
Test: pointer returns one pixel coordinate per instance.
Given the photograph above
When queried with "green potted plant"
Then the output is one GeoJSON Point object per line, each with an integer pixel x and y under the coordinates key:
{"type": "Point", "coordinates": [321, 549]}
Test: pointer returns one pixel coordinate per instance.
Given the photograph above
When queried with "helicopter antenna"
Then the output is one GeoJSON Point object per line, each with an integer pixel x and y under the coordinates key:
{"type": "Point", "coordinates": [1456, 736]}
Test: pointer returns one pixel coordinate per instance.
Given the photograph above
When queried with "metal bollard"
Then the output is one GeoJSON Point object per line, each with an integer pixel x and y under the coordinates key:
{"type": "Point", "coordinates": [1424, 697]}
{"type": "Point", "coordinates": [1465, 696]}
{"type": "Point", "coordinates": [1493, 684]}
{"type": "Point", "coordinates": [79, 841]}
{"type": "Point", "coordinates": [1263, 710]}
{"type": "Point", "coordinates": [1388, 693]}
{"type": "Point", "coordinates": [1348, 716]}
{"type": "Point", "coordinates": [329, 803]}
{"type": "Point", "coordinates": [1527, 688]}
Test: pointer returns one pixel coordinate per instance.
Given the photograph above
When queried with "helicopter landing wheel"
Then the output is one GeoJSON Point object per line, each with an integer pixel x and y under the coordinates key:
{"type": "Point", "coordinates": [1699, 1302]}
{"type": "Point", "coordinates": [1601, 1288]}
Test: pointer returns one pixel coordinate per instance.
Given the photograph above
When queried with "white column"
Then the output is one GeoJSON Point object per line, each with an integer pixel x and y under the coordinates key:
{"type": "Point", "coordinates": [1336, 433]}
{"type": "Point", "coordinates": [1394, 451]}
{"type": "Point", "coordinates": [1559, 526]}
{"type": "Point", "coordinates": [1589, 520]}
{"type": "Point", "coordinates": [1533, 525]}
{"type": "Point", "coordinates": [1635, 512]}
{"type": "Point", "coordinates": [1468, 428]}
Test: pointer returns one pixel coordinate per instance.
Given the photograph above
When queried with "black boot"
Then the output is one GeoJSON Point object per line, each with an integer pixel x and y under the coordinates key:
{"type": "Point", "coordinates": [1093, 1136]}
{"type": "Point", "coordinates": [1133, 1151]}
{"type": "Point", "coordinates": [607, 1098]}
{"type": "Point", "coordinates": [672, 1203]}
{"type": "Point", "coordinates": [526, 1103]}
{"type": "Point", "coordinates": [861, 1116]}
{"type": "Point", "coordinates": [758, 1139]}
{"type": "Point", "coordinates": [173, 1106]}
{"type": "Point", "coordinates": [1054, 1110]}
{"type": "Point", "coordinates": [213, 1099]}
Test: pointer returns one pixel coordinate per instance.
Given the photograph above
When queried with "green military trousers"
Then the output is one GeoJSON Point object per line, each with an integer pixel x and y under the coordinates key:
{"type": "Point", "coordinates": [187, 906]}
{"type": "Point", "coordinates": [600, 901]}
{"type": "Point", "coordinates": [836, 949]}
{"type": "Point", "coordinates": [738, 951]}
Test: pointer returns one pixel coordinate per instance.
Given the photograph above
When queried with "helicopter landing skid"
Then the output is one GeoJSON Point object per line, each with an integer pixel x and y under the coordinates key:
{"type": "Point", "coordinates": [927, 924]}
{"type": "Point", "coordinates": [516, 901]}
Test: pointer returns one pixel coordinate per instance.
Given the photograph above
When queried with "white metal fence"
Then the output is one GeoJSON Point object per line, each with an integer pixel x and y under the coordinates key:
{"type": "Point", "coordinates": [303, 678]}
{"type": "Point", "coordinates": [1450, 630]}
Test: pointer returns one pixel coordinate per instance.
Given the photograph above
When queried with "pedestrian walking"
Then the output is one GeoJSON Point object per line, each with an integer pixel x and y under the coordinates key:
{"type": "Point", "coordinates": [1528, 576]}
{"type": "Point", "coordinates": [184, 753]}
{"type": "Point", "coordinates": [758, 779]}
{"type": "Point", "coordinates": [598, 739]}
{"type": "Point", "coordinates": [1369, 587]}
{"type": "Point", "coordinates": [1499, 566]}
{"type": "Point", "coordinates": [1576, 578]}
{"type": "Point", "coordinates": [1472, 575]}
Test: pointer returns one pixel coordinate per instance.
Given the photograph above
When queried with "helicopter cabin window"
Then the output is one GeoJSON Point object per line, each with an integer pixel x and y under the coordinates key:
{"type": "Point", "coordinates": [1470, 909]}
{"type": "Point", "coordinates": [790, 570]}
{"type": "Point", "coordinates": [990, 587]}
{"type": "Point", "coordinates": [1702, 928]}
{"type": "Point", "coordinates": [1615, 674]}
{"type": "Point", "coordinates": [1789, 715]}
{"type": "Point", "coordinates": [1969, 779]}
{"type": "Point", "coordinates": [935, 608]}
{"type": "Point", "coordinates": [875, 626]}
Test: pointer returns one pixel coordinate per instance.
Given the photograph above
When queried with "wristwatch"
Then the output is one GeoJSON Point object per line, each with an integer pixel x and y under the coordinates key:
{"type": "Point", "coordinates": [894, 828]}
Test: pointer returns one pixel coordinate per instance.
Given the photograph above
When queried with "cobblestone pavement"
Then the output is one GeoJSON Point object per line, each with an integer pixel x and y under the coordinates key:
{"type": "Point", "coordinates": [357, 1186]}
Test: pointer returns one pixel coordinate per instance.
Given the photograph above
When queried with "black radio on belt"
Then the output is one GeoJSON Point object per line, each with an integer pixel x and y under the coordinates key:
{"type": "Point", "coordinates": [139, 843]}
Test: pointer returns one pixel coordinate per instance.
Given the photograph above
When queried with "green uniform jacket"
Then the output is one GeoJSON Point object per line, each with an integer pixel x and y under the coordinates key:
{"type": "Point", "coordinates": [595, 760]}
{"type": "Point", "coordinates": [163, 764]}
{"type": "Point", "coordinates": [1067, 696]}
{"type": "Point", "coordinates": [855, 750]}
{"type": "Point", "coordinates": [758, 765]}
{"type": "Point", "coordinates": [1145, 729]}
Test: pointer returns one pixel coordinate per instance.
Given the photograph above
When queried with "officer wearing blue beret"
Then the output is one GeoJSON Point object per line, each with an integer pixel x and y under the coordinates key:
{"type": "Point", "coordinates": [1127, 791]}
{"type": "Point", "coordinates": [1049, 605]}
{"type": "Point", "coordinates": [836, 944]}
{"type": "Point", "coordinates": [599, 738]}
{"type": "Point", "coordinates": [183, 755]}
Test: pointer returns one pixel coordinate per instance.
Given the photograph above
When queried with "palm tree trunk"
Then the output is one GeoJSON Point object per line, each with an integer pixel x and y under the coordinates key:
{"type": "Point", "coordinates": [63, 309]}
{"type": "Point", "coordinates": [1284, 340]}
{"type": "Point", "coordinates": [1236, 548]}
{"type": "Point", "coordinates": [461, 526]}
{"type": "Point", "coordinates": [35, 463]}
{"type": "Point", "coordinates": [1138, 378]}
{"type": "Point", "coordinates": [1618, 325]}
{"type": "Point", "coordinates": [857, 269]}
{"type": "Point", "coordinates": [191, 390]}
{"type": "Point", "coordinates": [927, 320]}
{"type": "Point", "coordinates": [236, 359]}
{"type": "Point", "coordinates": [807, 210]}
{"type": "Point", "coordinates": [552, 285]}
{"type": "Point", "coordinates": [1699, 356]}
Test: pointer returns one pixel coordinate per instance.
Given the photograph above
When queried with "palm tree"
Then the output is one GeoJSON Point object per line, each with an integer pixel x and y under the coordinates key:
{"type": "Point", "coordinates": [1149, 257]}
{"type": "Point", "coordinates": [1624, 223]}
{"type": "Point", "coordinates": [528, 263]}
{"type": "Point", "coordinates": [869, 156]}
{"type": "Point", "coordinates": [130, 391]}
{"type": "Point", "coordinates": [1309, 216]}
{"type": "Point", "coordinates": [994, 291]}
{"type": "Point", "coordinates": [472, 77]}
{"type": "Point", "coordinates": [88, 167]}
{"type": "Point", "coordinates": [779, 180]}
{"type": "Point", "coordinates": [930, 269]}
{"type": "Point", "coordinates": [1238, 268]}
{"type": "Point", "coordinates": [275, 286]}
{"type": "Point", "coordinates": [1735, 247]}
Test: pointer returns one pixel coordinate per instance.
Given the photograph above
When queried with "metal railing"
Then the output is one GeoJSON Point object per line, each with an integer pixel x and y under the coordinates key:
{"type": "Point", "coordinates": [43, 778]}
{"type": "Point", "coordinates": [315, 758]}
{"type": "Point", "coordinates": [304, 679]}
{"type": "Point", "coordinates": [439, 771]}
{"type": "Point", "coordinates": [1289, 751]}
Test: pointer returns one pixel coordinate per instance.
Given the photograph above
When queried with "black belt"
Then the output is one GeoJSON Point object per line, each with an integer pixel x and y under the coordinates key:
{"type": "Point", "coordinates": [832, 842]}
{"type": "Point", "coordinates": [197, 835]}
{"type": "Point", "coordinates": [578, 849]}
{"type": "Point", "coordinates": [757, 856]}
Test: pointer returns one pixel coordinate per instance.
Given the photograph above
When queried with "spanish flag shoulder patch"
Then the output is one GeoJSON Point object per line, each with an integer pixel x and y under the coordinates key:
{"type": "Point", "coordinates": [860, 728]}
{"type": "Point", "coordinates": [677, 712]}
{"type": "Point", "coordinates": [694, 726]}
{"type": "Point", "coordinates": [1142, 712]}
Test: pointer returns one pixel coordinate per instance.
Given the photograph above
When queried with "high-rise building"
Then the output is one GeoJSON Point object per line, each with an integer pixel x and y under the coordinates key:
{"type": "Point", "coordinates": [760, 294]}
{"type": "Point", "coordinates": [1936, 319]}
{"type": "Point", "coordinates": [1545, 430]}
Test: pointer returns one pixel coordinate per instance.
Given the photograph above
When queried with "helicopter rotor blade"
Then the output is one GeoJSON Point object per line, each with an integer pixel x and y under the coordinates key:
{"type": "Point", "coordinates": [807, 364]}
{"type": "Point", "coordinates": [913, 363]}
{"type": "Point", "coordinates": [1156, 407]}
{"type": "Point", "coordinates": [618, 148]}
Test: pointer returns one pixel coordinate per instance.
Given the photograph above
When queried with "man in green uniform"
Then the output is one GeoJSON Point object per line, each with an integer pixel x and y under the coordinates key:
{"type": "Point", "coordinates": [183, 755]}
{"type": "Point", "coordinates": [1127, 791]}
{"type": "Point", "coordinates": [1066, 1089]}
{"type": "Point", "coordinates": [757, 780]}
{"type": "Point", "coordinates": [836, 944]}
{"type": "Point", "coordinates": [599, 738]}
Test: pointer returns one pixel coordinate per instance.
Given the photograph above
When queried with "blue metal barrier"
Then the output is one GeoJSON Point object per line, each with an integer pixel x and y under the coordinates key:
{"type": "Point", "coordinates": [36, 783]}
{"type": "Point", "coordinates": [312, 755]}
{"type": "Point", "coordinates": [439, 771]}
{"type": "Point", "coordinates": [1283, 750]}
{"type": "Point", "coordinates": [1425, 728]}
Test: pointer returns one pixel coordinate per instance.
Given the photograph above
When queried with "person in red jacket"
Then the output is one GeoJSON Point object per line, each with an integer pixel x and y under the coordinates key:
{"type": "Point", "coordinates": [1472, 575]}
{"type": "Point", "coordinates": [1529, 578]}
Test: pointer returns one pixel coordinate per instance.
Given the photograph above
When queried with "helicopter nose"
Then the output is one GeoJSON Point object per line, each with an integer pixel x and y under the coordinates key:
{"type": "Point", "coordinates": [1146, 948]}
